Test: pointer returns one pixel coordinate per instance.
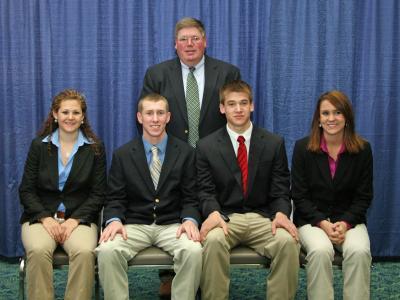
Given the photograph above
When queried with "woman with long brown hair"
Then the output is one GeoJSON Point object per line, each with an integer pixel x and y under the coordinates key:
{"type": "Point", "coordinates": [332, 190]}
{"type": "Point", "coordinates": [62, 192]}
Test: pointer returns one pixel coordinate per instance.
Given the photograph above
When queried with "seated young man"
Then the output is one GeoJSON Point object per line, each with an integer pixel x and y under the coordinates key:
{"type": "Point", "coordinates": [243, 181]}
{"type": "Point", "coordinates": [151, 200]}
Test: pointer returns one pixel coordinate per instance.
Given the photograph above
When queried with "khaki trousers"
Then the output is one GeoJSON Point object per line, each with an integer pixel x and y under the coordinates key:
{"type": "Point", "coordinates": [113, 257]}
{"type": "Point", "coordinates": [254, 231]}
{"type": "Point", "coordinates": [39, 248]}
{"type": "Point", "coordinates": [356, 265]}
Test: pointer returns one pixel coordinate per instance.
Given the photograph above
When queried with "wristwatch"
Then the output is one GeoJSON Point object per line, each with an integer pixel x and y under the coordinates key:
{"type": "Point", "coordinates": [225, 218]}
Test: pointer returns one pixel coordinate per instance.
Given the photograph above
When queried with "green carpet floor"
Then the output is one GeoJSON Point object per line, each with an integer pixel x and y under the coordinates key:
{"type": "Point", "coordinates": [245, 283]}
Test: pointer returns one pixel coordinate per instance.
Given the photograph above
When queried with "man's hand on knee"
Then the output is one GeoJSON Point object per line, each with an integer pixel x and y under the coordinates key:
{"type": "Point", "coordinates": [111, 230]}
{"type": "Point", "coordinates": [213, 220]}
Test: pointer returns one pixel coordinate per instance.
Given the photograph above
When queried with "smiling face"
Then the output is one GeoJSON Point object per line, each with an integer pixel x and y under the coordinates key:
{"type": "Point", "coordinates": [331, 119]}
{"type": "Point", "coordinates": [237, 108]}
{"type": "Point", "coordinates": [190, 45]}
{"type": "Point", "coordinates": [154, 117]}
{"type": "Point", "coordinates": [69, 116]}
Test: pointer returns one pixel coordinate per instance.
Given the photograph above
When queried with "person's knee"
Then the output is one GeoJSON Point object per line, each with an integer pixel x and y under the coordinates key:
{"type": "Point", "coordinates": [39, 252]}
{"type": "Point", "coordinates": [321, 252]}
{"type": "Point", "coordinates": [286, 241]}
{"type": "Point", "coordinates": [357, 252]}
{"type": "Point", "coordinates": [215, 238]}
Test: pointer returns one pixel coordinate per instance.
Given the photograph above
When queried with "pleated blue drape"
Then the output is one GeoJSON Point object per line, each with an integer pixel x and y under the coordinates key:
{"type": "Point", "coordinates": [289, 51]}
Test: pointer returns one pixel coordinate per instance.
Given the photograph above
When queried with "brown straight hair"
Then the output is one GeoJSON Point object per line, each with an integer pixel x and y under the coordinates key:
{"type": "Point", "coordinates": [352, 141]}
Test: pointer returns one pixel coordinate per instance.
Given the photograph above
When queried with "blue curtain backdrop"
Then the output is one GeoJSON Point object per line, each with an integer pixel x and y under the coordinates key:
{"type": "Point", "coordinates": [289, 51]}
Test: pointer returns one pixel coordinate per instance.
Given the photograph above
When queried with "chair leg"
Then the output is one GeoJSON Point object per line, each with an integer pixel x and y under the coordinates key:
{"type": "Point", "coordinates": [96, 284]}
{"type": "Point", "coordinates": [22, 274]}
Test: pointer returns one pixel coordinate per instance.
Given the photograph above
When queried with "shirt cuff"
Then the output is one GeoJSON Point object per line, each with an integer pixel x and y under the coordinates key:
{"type": "Point", "coordinates": [112, 219]}
{"type": "Point", "coordinates": [190, 219]}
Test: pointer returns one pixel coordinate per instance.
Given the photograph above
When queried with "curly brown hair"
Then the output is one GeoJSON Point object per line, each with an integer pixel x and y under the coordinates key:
{"type": "Point", "coordinates": [49, 125]}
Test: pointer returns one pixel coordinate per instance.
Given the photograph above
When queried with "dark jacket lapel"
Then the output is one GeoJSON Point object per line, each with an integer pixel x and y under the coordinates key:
{"type": "Point", "coordinates": [256, 147]}
{"type": "Point", "coordinates": [140, 161]}
{"type": "Point", "coordinates": [171, 155]}
{"type": "Point", "coordinates": [80, 156]}
{"type": "Point", "coordinates": [228, 155]}
{"type": "Point", "coordinates": [177, 86]}
{"type": "Point", "coordinates": [323, 165]}
{"type": "Point", "coordinates": [210, 76]}
{"type": "Point", "coordinates": [344, 164]}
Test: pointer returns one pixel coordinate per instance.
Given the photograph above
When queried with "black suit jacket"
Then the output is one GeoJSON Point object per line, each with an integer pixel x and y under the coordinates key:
{"type": "Point", "coordinates": [219, 176]}
{"type": "Point", "coordinates": [166, 79]}
{"type": "Point", "coordinates": [83, 194]}
{"type": "Point", "coordinates": [131, 196]}
{"type": "Point", "coordinates": [317, 196]}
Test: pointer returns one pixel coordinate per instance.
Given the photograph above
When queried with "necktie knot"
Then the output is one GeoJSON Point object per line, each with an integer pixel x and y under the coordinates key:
{"type": "Point", "coordinates": [154, 150]}
{"type": "Point", "coordinates": [241, 139]}
{"type": "Point", "coordinates": [192, 69]}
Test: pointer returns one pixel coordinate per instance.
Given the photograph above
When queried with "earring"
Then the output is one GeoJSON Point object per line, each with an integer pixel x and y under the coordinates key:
{"type": "Point", "coordinates": [55, 120]}
{"type": "Point", "coordinates": [82, 122]}
{"type": "Point", "coordinates": [345, 125]}
{"type": "Point", "coordinates": [320, 125]}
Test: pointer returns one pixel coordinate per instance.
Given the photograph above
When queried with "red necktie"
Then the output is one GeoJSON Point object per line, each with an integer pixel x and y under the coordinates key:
{"type": "Point", "coordinates": [242, 161]}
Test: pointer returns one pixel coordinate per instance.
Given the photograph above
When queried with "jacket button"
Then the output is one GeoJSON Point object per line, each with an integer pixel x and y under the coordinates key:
{"type": "Point", "coordinates": [154, 216]}
{"type": "Point", "coordinates": [157, 200]}
{"type": "Point", "coordinates": [186, 131]}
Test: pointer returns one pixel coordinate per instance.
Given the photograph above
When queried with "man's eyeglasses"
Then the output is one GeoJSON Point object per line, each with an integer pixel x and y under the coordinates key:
{"type": "Point", "coordinates": [185, 39]}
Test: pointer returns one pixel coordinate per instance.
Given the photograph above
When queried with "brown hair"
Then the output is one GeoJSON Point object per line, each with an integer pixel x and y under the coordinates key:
{"type": "Point", "coordinates": [353, 142]}
{"type": "Point", "coordinates": [189, 22]}
{"type": "Point", "coordinates": [238, 86]}
{"type": "Point", "coordinates": [49, 125]}
{"type": "Point", "coordinates": [153, 98]}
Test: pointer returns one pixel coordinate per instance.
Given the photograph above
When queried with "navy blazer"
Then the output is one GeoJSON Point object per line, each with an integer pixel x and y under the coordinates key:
{"type": "Point", "coordinates": [166, 79]}
{"type": "Point", "coordinates": [131, 195]}
{"type": "Point", "coordinates": [83, 193]}
{"type": "Point", "coordinates": [317, 196]}
{"type": "Point", "coordinates": [219, 176]}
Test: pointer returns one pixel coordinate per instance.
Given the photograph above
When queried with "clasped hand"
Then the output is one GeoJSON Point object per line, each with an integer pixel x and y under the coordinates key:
{"type": "Point", "coordinates": [59, 232]}
{"type": "Point", "coordinates": [336, 232]}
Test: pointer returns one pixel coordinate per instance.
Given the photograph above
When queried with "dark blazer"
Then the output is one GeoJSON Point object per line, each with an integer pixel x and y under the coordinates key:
{"type": "Point", "coordinates": [219, 176]}
{"type": "Point", "coordinates": [131, 196]}
{"type": "Point", "coordinates": [166, 79]}
{"type": "Point", "coordinates": [318, 197]}
{"type": "Point", "coordinates": [83, 193]}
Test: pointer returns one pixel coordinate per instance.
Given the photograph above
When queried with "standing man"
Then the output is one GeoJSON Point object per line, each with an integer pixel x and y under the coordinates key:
{"type": "Point", "coordinates": [191, 83]}
{"type": "Point", "coordinates": [151, 200]}
{"type": "Point", "coordinates": [243, 180]}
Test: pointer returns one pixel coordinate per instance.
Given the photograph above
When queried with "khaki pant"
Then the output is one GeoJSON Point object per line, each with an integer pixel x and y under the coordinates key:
{"type": "Point", "coordinates": [254, 231]}
{"type": "Point", "coordinates": [39, 248]}
{"type": "Point", "coordinates": [113, 257]}
{"type": "Point", "coordinates": [356, 263]}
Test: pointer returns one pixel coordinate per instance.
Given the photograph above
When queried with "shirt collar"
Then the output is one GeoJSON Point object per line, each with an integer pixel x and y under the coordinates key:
{"type": "Point", "coordinates": [161, 146]}
{"type": "Point", "coordinates": [55, 139]}
{"type": "Point", "coordinates": [246, 134]}
{"type": "Point", "coordinates": [198, 66]}
{"type": "Point", "coordinates": [324, 147]}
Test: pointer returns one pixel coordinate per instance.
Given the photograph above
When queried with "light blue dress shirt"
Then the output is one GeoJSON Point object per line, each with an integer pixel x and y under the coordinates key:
{"type": "Point", "coordinates": [63, 171]}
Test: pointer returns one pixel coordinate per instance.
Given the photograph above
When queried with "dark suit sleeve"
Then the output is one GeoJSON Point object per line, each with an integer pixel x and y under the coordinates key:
{"type": "Point", "coordinates": [116, 200]}
{"type": "Point", "coordinates": [280, 182]}
{"type": "Point", "coordinates": [301, 191]}
{"type": "Point", "coordinates": [363, 191]}
{"type": "Point", "coordinates": [207, 189]}
{"type": "Point", "coordinates": [28, 189]}
{"type": "Point", "coordinates": [190, 207]}
{"type": "Point", "coordinates": [94, 202]}
{"type": "Point", "coordinates": [149, 84]}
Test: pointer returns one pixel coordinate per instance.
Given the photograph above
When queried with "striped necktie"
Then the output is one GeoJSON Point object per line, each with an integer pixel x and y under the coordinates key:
{"type": "Point", "coordinates": [193, 107]}
{"type": "Point", "coordinates": [155, 166]}
{"type": "Point", "coordinates": [242, 161]}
